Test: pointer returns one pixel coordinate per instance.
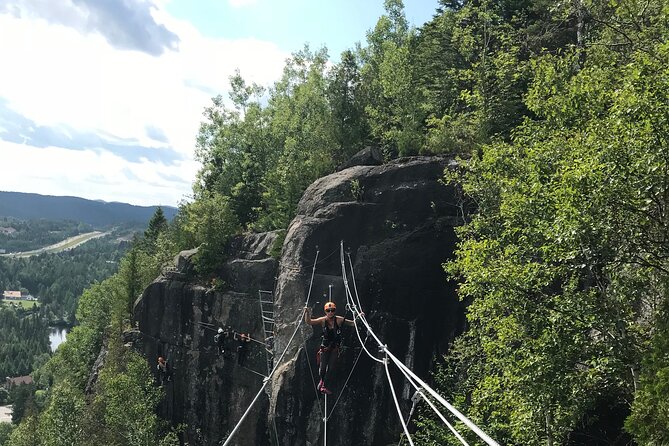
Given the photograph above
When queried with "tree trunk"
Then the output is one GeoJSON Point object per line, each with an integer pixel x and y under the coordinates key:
{"type": "Point", "coordinates": [549, 433]}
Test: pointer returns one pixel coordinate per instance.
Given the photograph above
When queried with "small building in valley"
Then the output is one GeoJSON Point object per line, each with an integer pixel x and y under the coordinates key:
{"type": "Point", "coordinates": [7, 230]}
{"type": "Point", "coordinates": [11, 295]}
{"type": "Point", "coordinates": [17, 381]}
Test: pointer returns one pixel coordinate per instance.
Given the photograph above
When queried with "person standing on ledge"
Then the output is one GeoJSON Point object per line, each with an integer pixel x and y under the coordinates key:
{"type": "Point", "coordinates": [327, 354]}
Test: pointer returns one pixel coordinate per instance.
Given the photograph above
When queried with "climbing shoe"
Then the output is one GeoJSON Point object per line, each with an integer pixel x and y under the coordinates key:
{"type": "Point", "coordinates": [323, 389]}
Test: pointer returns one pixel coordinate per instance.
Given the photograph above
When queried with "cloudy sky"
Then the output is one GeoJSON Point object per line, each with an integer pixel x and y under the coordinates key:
{"type": "Point", "coordinates": [102, 99]}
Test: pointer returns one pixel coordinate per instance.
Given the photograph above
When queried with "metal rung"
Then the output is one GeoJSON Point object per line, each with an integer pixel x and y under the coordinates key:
{"type": "Point", "coordinates": [266, 299]}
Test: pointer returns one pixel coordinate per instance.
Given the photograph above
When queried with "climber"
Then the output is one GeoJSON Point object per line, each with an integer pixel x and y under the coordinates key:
{"type": "Point", "coordinates": [219, 340]}
{"type": "Point", "coordinates": [331, 340]}
{"type": "Point", "coordinates": [243, 340]}
{"type": "Point", "coordinates": [164, 372]}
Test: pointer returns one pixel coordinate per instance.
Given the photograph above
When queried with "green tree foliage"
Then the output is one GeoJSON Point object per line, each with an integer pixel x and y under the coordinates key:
{"type": "Point", "coordinates": [649, 421]}
{"type": "Point", "coordinates": [157, 224]}
{"type": "Point", "coordinates": [565, 261]}
{"type": "Point", "coordinates": [23, 401]}
{"type": "Point", "coordinates": [389, 73]}
{"type": "Point", "coordinates": [62, 423]}
{"type": "Point", "coordinates": [211, 222]}
{"type": "Point", "coordinates": [127, 398]}
{"type": "Point", "coordinates": [5, 430]}
{"type": "Point", "coordinates": [73, 360]}
{"type": "Point", "coordinates": [22, 339]}
{"type": "Point", "coordinates": [25, 434]}
{"type": "Point", "coordinates": [302, 128]}
{"type": "Point", "coordinates": [473, 64]}
{"type": "Point", "coordinates": [233, 146]}
{"type": "Point", "coordinates": [349, 123]}
{"type": "Point", "coordinates": [261, 158]}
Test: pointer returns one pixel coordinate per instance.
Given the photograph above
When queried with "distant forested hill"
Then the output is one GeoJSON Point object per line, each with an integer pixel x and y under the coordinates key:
{"type": "Point", "coordinates": [96, 213]}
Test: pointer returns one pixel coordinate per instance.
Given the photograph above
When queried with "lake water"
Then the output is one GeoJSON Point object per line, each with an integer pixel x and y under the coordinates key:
{"type": "Point", "coordinates": [57, 336]}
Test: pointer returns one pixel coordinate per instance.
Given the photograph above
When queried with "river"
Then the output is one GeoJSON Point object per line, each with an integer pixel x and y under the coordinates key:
{"type": "Point", "coordinates": [57, 336]}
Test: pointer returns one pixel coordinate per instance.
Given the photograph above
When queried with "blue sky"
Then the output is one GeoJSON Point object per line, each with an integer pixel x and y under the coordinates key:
{"type": "Point", "coordinates": [290, 23]}
{"type": "Point", "coordinates": [103, 99]}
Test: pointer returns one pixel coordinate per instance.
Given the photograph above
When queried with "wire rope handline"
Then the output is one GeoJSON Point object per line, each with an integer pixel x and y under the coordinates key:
{"type": "Point", "coordinates": [445, 403]}
{"type": "Point", "coordinates": [487, 439]}
{"type": "Point", "coordinates": [253, 371]}
{"type": "Point", "coordinates": [355, 287]}
{"type": "Point", "coordinates": [276, 365]}
{"type": "Point", "coordinates": [434, 408]}
{"type": "Point", "coordinates": [354, 309]}
{"type": "Point", "coordinates": [397, 404]}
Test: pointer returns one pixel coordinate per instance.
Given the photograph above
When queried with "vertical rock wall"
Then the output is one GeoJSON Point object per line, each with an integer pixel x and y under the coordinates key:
{"type": "Point", "coordinates": [397, 221]}
{"type": "Point", "coordinates": [177, 318]}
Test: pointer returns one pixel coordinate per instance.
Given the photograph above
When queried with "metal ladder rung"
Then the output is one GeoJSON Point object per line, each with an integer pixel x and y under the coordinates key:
{"type": "Point", "coordinates": [266, 299]}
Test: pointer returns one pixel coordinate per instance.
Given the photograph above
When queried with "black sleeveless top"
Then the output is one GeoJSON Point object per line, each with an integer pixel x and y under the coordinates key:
{"type": "Point", "coordinates": [331, 336]}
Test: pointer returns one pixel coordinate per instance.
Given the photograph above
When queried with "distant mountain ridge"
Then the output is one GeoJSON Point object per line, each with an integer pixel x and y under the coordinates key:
{"type": "Point", "coordinates": [95, 212]}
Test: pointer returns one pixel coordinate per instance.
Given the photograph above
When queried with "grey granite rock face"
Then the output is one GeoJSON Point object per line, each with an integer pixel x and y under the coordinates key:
{"type": "Point", "coordinates": [178, 318]}
{"type": "Point", "coordinates": [397, 221]}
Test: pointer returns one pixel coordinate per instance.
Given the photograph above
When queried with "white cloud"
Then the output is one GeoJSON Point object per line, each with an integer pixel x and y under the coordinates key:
{"type": "Point", "coordinates": [57, 76]}
{"type": "Point", "coordinates": [93, 175]}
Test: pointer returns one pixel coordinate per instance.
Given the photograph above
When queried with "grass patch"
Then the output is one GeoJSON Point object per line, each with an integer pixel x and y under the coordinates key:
{"type": "Point", "coordinates": [26, 304]}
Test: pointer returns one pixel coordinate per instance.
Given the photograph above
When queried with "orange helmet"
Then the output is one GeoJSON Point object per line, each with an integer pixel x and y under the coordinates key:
{"type": "Point", "coordinates": [329, 306]}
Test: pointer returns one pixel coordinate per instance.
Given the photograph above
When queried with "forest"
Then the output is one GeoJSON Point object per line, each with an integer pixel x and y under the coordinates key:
{"type": "Point", "coordinates": [58, 280]}
{"type": "Point", "coordinates": [24, 341]}
{"type": "Point", "coordinates": [558, 113]}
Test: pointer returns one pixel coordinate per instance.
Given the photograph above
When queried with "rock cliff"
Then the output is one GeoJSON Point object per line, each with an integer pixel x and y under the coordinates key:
{"type": "Point", "coordinates": [397, 221]}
